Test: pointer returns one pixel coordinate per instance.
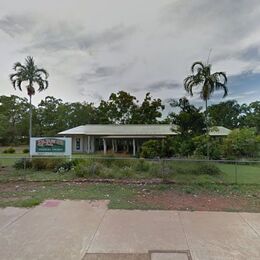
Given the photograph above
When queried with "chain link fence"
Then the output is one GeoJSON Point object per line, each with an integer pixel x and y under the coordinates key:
{"type": "Point", "coordinates": [104, 167]}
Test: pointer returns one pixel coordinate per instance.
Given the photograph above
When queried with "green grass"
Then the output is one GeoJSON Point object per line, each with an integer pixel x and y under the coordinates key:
{"type": "Point", "coordinates": [31, 175]}
{"type": "Point", "coordinates": [243, 173]}
{"type": "Point", "coordinates": [120, 196]}
{"type": "Point", "coordinates": [179, 171]}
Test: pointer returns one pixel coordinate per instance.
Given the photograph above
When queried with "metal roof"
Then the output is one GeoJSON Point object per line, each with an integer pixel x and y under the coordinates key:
{"type": "Point", "coordinates": [122, 130]}
{"type": "Point", "coordinates": [219, 131]}
{"type": "Point", "coordinates": [134, 130]}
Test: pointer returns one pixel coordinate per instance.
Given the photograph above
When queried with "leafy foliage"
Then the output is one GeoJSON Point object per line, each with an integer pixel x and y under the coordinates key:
{"type": "Point", "coordinates": [9, 150]}
{"type": "Point", "coordinates": [190, 120]}
{"type": "Point", "coordinates": [201, 143]}
{"type": "Point", "coordinates": [225, 114]}
{"type": "Point", "coordinates": [151, 149]}
{"type": "Point", "coordinates": [23, 163]}
{"type": "Point", "coordinates": [209, 82]}
{"type": "Point", "coordinates": [31, 74]}
{"type": "Point", "coordinates": [241, 143]}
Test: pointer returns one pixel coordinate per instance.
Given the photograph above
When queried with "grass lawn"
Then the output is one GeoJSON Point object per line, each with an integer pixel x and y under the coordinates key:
{"type": "Point", "coordinates": [178, 196]}
{"type": "Point", "coordinates": [179, 171]}
{"type": "Point", "coordinates": [192, 191]}
{"type": "Point", "coordinates": [245, 173]}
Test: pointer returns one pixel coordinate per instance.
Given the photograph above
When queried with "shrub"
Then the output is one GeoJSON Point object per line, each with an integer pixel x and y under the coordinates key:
{"type": "Point", "coordinates": [126, 172]}
{"type": "Point", "coordinates": [67, 166]}
{"type": "Point", "coordinates": [207, 169]}
{"type": "Point", "coordinates": [196, 168]}
{"type": "Point", "coordinates": [46, 163]}
{"type": "Point", "coordinates": [22, 164]}
{"type": "Point", "coordinates": [9, 150]}
{"type": "Point", "coordinates": [241, 143]}
{"type": "Point", "coordinates": [26, 150]}
{"type": "Point", "coordinates": [201, 143]}
{"type": "Point", "coordinates": [151, 149]}
{"type": "Point", "coordinates": [39, 164]}
{"type": "Point", "coordinates": [142, 166]}
{"type": "Point", "coordinates": [89, 169]}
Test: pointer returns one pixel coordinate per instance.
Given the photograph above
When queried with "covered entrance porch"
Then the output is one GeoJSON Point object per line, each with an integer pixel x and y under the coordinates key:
{"type": "Point", "coordinates": [129, 144]}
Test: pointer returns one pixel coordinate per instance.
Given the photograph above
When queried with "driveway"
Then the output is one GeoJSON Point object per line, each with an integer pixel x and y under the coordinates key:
{"type": "Point", "coordinates": [88, 230]}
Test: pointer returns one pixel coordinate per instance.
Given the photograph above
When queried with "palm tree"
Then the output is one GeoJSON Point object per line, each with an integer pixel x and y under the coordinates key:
{"type": "Point", "coordinates": [209, 83]}
{"type": "Point", "coordinates": [30, 74]}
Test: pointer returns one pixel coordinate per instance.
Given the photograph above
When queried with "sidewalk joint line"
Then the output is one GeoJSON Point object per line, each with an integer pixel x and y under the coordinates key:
{"type": "Point", "coordinates": [249, 224]}
{"type": "Point", "coordinates": [182, 226]}
{"type": "Point", "coordinates": [16, 219]}
{"type": "Point", "coordinates": [94, 235]}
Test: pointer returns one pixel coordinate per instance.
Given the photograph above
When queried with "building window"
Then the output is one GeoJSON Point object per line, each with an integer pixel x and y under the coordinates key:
{"type": "Point", "coordinates": [77, 144]}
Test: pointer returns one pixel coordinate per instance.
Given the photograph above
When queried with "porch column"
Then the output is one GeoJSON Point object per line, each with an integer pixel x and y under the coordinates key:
{"type": "Point", "coordinates": [88, 144]}
{"type": "Point", "coordinates": [133, 147]}
{"type": "Point", "coordinates": [92, 144]}
{"type": "Point", "coordinates": [113, 145]}
{"type": "Point", "coordinates": [105, 145]}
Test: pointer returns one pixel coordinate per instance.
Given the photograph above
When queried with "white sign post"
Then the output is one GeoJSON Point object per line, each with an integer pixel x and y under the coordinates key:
{"type": "Point", "coordinates": [50, 146]}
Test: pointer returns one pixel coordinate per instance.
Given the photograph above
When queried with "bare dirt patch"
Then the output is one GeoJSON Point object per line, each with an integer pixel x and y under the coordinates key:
{"type": "Point", "coordinates": [173, 200]}
{"type": "Point", "coordinates": [171, 197]}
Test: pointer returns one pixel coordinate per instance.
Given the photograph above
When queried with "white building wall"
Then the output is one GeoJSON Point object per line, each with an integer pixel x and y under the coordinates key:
{"type": "Point", "coordinates": [83, 144]}
{"type": "Point", "coordinates": [77, 144]}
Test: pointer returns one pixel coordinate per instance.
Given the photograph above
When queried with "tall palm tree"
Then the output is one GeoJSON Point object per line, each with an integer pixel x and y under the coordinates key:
{"type": "Point", "coordinates": [31, 75]}
{"type": "Point", "coordinates": [209, 83]}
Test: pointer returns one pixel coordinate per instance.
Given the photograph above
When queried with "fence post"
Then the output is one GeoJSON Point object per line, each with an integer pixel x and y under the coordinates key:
{"type": "Point", "coordinates": [24, 163]}
{"type": "Point", "coordinates": [236, 172]}
{"type": "Point", "coordinates": [162, 167]}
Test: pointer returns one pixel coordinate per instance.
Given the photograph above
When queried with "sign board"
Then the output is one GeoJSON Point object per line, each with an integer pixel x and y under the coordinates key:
{"type": "Point", "coordinates": [50, 146]}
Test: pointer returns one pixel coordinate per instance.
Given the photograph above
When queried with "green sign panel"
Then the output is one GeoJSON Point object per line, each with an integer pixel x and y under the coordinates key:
{"type": "Point", "coordinates": [50, 145]}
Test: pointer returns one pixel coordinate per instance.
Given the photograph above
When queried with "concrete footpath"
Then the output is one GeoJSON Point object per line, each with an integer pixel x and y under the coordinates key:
{"type": "Point", "coordinates": [88, 230]}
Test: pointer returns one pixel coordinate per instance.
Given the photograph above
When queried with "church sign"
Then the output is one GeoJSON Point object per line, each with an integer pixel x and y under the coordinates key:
{"type": "Point", "coordinates": [50, 146]}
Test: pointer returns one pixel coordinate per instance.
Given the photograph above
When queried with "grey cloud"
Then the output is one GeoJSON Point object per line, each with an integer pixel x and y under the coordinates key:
{"type": "Point", "coordinates": [159, 86]}
{"type": "Point", "coordinates": [249, 54]}
{"type": "Point", "coordinates": [162, 85]}
{"type": "Point", "coordinates": [66, 37]}
{"type": "Point", "coordinates": [86, 93]}
{"type": "Point", "coordinates": [102, 72]}
{"type": "Point", "coordinates": [108, 37]}
{"type": "Point", "coordinates": [223, 19]}
{"type": "Point", "coordinates": [16, 25]}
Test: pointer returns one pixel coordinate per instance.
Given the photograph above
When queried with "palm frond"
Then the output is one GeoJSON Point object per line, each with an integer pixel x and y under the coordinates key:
{"type": "Point", "coordinates": [198, 64]}
{"type": "Point", "coordinates": [222, 75]}
{"type": "Point", "coordinates": [18, 65]}
{"type": "Point", "coordinates": [43, 71]}
{"type": "Point", "coordinates": [29, 73]}
{"type": "Point", "coordinates": [221, 86]}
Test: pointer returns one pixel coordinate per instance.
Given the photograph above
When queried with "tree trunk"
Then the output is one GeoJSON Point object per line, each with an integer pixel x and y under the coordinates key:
{"type": "Point", "coordinates": [207, 128]}
{"type": "Point", "coordinates": [30, 123]}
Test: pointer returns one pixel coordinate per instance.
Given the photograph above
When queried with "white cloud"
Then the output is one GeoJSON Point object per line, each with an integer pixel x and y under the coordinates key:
{"type": "Point", "coordinates": [92, 48]}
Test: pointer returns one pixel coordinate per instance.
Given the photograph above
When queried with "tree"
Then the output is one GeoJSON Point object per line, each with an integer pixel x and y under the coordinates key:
{"type": "Point", "coordinates": [13, 111]}
{"type": "Point", "coordinates": [30, 74]}
{"type": "Point", "coordinates": [77, 113]}
{"type": "Point", "coordinates": [250, 115]}
{"type": "Point", "coordinates": [225, 114]}
{"type": "Point", "coordinates": [190, 120]}
{"type": "Point", "coordinates": [209, 83]}
{"type": "Point", "coordinates": [49, 117]}
{"type": "Point", "coordinates": [241, 143]}
{"type": "Point", "coordinates": [119, 109]}
{"type": "Point", "coordinates": [149, 111]}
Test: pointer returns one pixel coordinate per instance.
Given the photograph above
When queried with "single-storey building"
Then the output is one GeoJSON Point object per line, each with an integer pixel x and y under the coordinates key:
{"type": "Point", "coordinates": [117, 138]}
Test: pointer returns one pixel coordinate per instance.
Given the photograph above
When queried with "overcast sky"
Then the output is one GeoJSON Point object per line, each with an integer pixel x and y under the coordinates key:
{"type": "Point", "coordinates": [94, 47]}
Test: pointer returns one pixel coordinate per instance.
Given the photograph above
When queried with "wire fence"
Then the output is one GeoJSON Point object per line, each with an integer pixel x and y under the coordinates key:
{"type": "Point", "coordinates": [106, 167]}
